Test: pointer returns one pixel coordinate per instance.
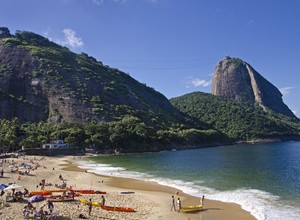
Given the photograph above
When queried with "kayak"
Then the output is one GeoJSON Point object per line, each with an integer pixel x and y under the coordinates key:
{"type": "Point", "coordinates": [127, 192]}
{"type": "Point", "coordinates": [41, 193]}
{"type": "Point", "coordinates": [118, 209]}
{"type": "Point", "coordinates": [84, 201]}
{"type": "Point", "coordinates": [46, 192]}
{"type": "Point", "coordinates": [55, 190]}
{"type": "Point", "coordinates": [191, 208]}
{"type": "Point", "coordinates": [87, 191]}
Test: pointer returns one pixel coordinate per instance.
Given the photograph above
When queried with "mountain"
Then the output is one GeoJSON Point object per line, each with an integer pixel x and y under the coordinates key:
{"type": "Point", "coordinates": [236, 80]}
{"type": "Point", "coordinates": [243, 105]}
{"type": "Point", "coordinates": [41, 80]}
{"type": "Point", "coordinates": [48, 92]}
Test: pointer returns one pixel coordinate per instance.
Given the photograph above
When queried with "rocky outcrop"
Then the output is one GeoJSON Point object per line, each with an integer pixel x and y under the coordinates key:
{"type": "Point", "coordinates": [40, 80]}
{"type": "Point", "coordinates": [18, 96]}
{"type": "Point", "coordinates": [236, 80]}
{"type": "Point", "coordinates": [4, 32]}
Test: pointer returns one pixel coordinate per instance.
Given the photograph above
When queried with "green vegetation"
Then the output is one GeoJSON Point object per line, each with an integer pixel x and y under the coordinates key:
{"type": "Point", "coordinates": [130, 134]}
{"type": "Point", "coordinates": [238, 121]}
{"type": "Point", "coordinates": [79, 100]}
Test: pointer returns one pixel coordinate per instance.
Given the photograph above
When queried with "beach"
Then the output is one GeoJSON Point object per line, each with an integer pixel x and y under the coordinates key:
{"type": "Point", "coordinates": [150, 200]}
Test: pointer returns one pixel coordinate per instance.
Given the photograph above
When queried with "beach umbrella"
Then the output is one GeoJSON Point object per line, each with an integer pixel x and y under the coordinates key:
{"type": "Point", "coordinates": [36, 198]}
{"type": "Point", "coordinates": [3, 186]}
{"type": "Point", "coordinates": [13, 186]}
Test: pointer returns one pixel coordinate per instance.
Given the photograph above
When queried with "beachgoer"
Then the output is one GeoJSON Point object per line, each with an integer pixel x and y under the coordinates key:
{"type": "Point", "coordinates": [26, 192]}
{"type": "Point", "coordinates": [50, 206]}
{"type": "Point", "coordinates": [178, 204]}
{"type": "Point", "coordinates": [42, 213]}
{"type": "Point", "coordinates": [36, 213]}
{"type": "Point", "coordinates": [90, 206]}
{"type": "Point", "coordinates": [173, 203]}
{"type": "Point", "coordinates": [2, 173]}
{"type": "Point", "coordinates": [72, 195]}
{"type": "Point", "coordinates": [26, 211]}
{"type": "Point", "coordinates": [202, 201]}
{"type": "Point", "coordinates": [2, 193]}
{"type": "Point", "coordinates": [29, 205]}
{"type": "Point", "coordinates": [102, 200]}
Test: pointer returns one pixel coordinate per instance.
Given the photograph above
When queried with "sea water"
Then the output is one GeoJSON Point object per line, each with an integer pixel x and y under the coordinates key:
{"type": "Point", "coordinates": [263, 178]}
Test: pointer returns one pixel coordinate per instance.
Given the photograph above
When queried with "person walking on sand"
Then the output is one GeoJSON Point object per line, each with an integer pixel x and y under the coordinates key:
{"type": "Point", "coordinates": [90, 206]}
{"type": "Point", "coordinates": [202, 201]}
{"type": "Point", "coordinates": [178, 204]}
{"type": "Point", "coordinates": [102, 200]}
{"type": "Point", "coordinates": [50, 206]}
{"type": "Point", "coordinates": [173, 203]}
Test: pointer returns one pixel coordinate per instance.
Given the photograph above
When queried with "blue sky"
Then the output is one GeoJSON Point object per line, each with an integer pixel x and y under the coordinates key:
{"type": "Point", "coordinates": [173, 45]}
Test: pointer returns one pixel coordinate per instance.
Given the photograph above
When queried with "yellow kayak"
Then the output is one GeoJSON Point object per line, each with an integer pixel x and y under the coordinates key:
{"type": "Point", "coordinates": [84, 201]}
{"type": "Point", "coordinates": [191, 208]}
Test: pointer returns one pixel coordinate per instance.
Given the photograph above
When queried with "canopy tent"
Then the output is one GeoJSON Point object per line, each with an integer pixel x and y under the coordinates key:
{"type": "Point", "coordinates": [3, 186]}
{"type": "Point", "coordinates": [13, 186]}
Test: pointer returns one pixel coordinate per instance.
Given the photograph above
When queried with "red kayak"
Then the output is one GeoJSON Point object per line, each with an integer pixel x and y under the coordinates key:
{"type": "Point", "coordinates": [41, 193]}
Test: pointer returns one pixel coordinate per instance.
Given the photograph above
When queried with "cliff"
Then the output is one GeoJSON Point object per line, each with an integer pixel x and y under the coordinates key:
{"type": "Point", "coordinates": [42, 81]}
{"type": "Point", "coordinates": [237, 81]}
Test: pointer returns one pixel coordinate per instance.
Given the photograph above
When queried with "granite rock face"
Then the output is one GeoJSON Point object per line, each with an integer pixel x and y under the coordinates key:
{"type": "Point", "coordinates": [19, 95]}
{"type": "Point", "coordinates": [43, 81]}
{"type": "Point", "coordinates": [237, 81]}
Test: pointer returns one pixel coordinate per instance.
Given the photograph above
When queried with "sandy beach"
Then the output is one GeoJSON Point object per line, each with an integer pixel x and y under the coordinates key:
{"type": "Point", "coordinates": [150, 200]}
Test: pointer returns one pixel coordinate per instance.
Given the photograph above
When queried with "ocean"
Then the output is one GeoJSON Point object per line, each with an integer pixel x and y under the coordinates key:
{"type": "Point", "coordinates": [263, 178]}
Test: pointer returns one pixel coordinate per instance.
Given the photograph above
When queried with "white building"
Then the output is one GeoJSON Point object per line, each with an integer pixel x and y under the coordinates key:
{"type": "Point", "coordinates": [57, 144]}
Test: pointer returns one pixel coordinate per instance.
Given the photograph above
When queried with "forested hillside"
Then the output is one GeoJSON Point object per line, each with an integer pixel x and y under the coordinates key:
{"type": "Point", "coordinates": [238, 121]}
{"type": "Point", "coordinates": [48, 92]}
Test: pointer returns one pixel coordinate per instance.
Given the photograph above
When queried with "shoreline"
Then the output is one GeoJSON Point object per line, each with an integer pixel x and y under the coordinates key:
{"type": "Point", "coordinates": [210, 210]}
{"type": "Point", "coordinates": [150, 200]}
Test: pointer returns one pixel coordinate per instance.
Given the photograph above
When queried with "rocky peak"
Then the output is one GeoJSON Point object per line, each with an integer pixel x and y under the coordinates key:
{"type": "Point", "coordinates": [236, 80]}
{"type": "Point", "coordinates": [4, 32]}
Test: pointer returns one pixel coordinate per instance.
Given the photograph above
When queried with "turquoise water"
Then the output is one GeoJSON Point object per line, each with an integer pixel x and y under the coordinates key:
{"type": "Point", "coordinates": [263, 178]}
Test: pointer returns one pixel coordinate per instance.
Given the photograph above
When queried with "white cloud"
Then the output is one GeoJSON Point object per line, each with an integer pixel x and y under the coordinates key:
{"type": "Point", "coordinates": [196, 82]}
{"type": "Point", "coordinates": [70, 39]}
{"type": "Point", "coordinates": [286, 90]}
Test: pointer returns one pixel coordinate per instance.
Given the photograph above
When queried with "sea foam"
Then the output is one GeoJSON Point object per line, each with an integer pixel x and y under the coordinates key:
{"type": "Point", "coordinates": [262, 205]}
